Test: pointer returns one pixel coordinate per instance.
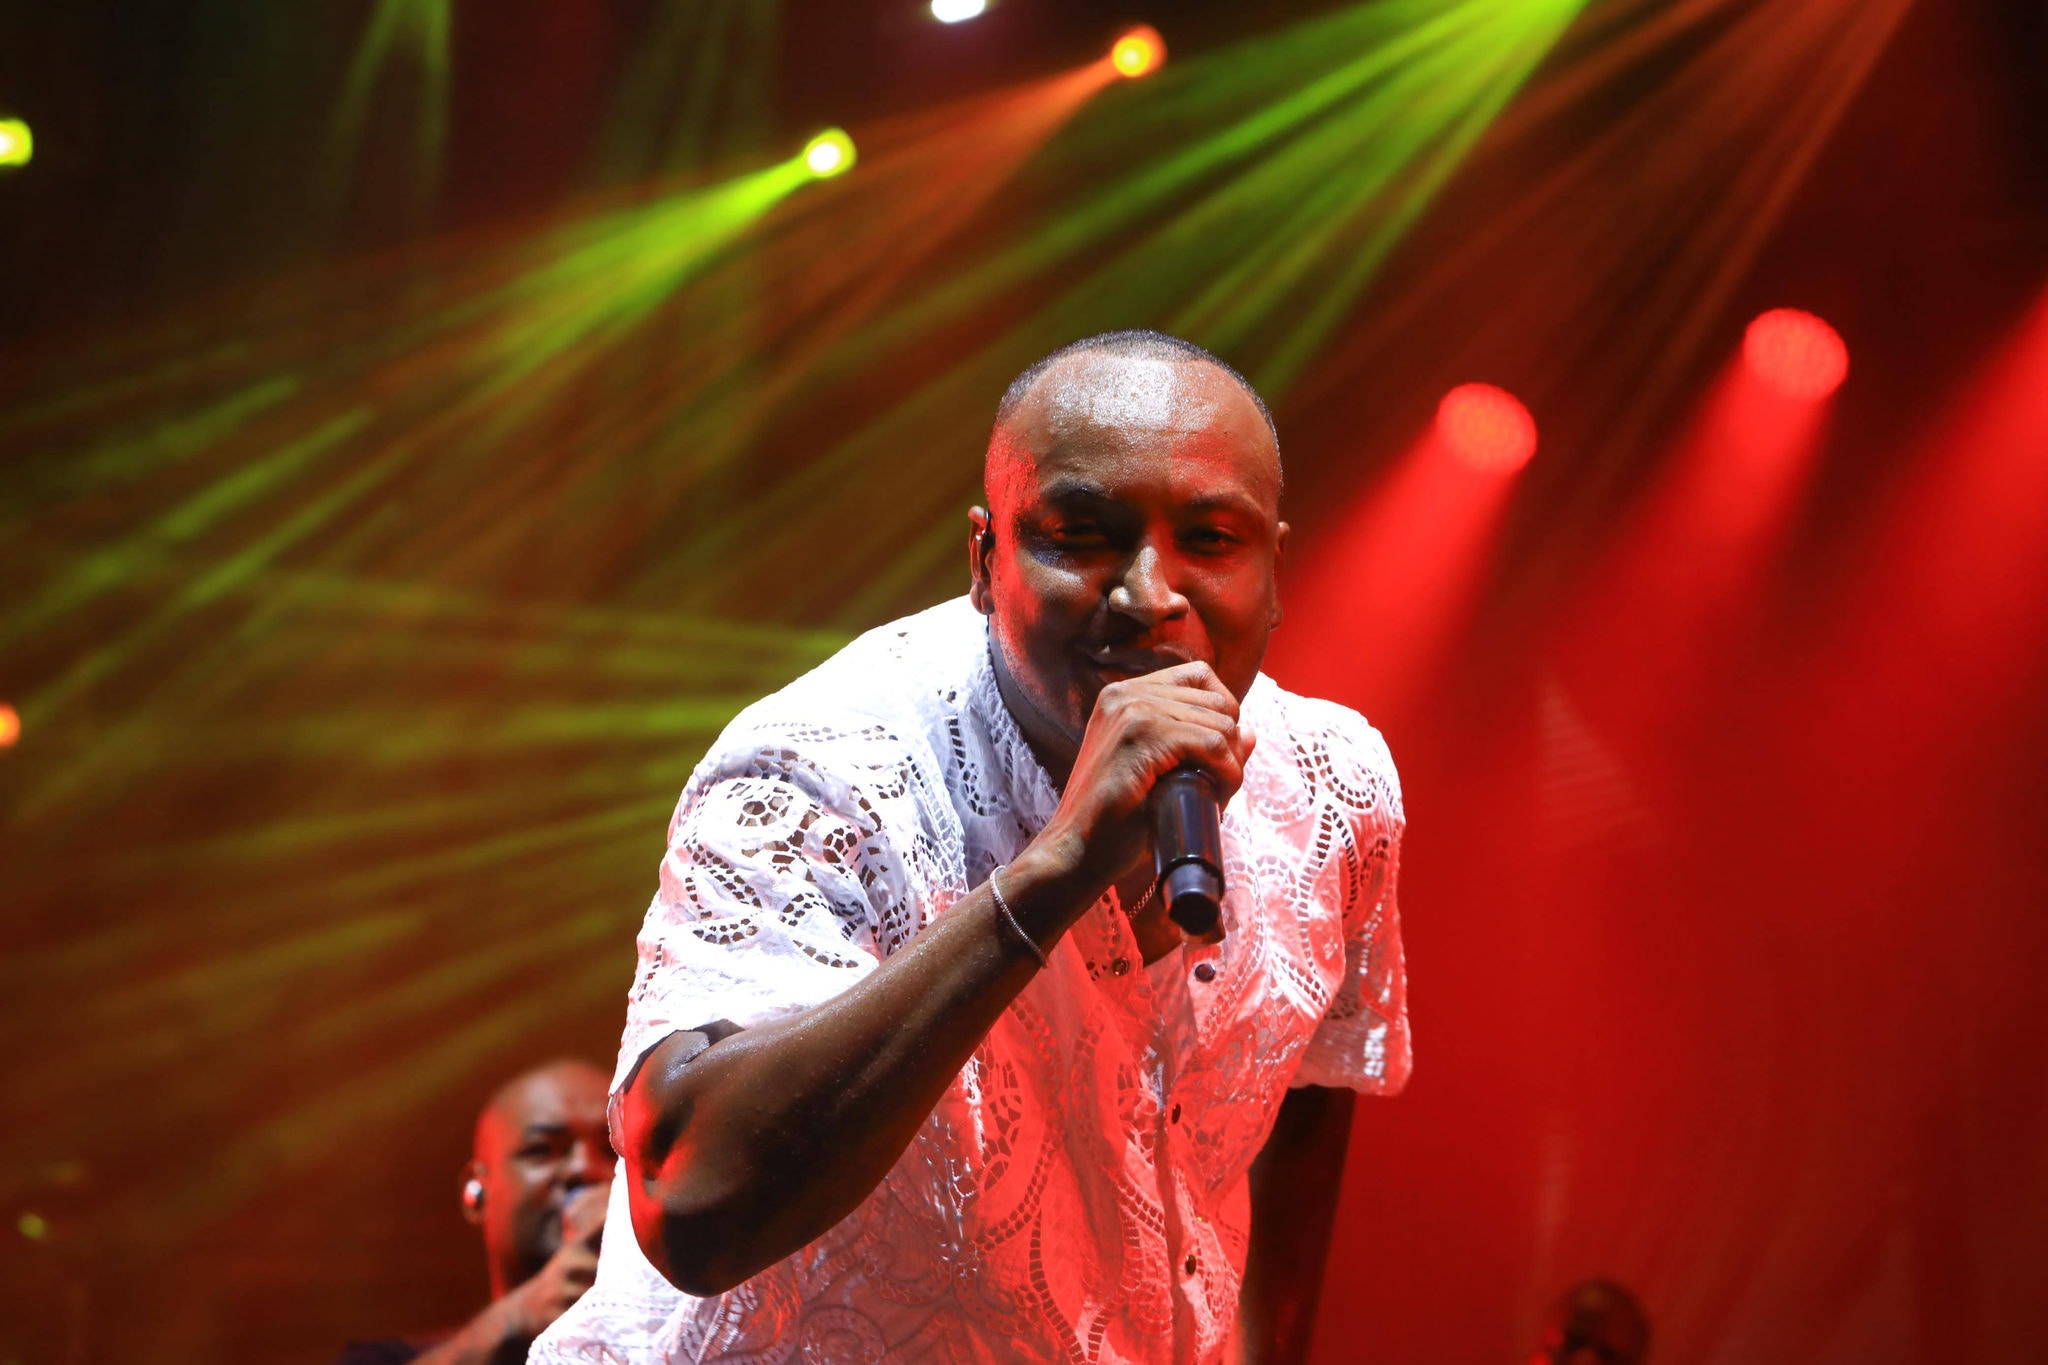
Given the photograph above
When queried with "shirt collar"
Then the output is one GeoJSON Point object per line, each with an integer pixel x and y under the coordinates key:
{"type": "Point", "coordinates": [1032, 793]}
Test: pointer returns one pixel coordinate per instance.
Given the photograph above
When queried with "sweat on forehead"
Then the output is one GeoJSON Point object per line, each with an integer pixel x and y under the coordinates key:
{"type": "Point", "coordinates": [1136, 343]}
{"type": "Point", "coordinates": [1122, 384]}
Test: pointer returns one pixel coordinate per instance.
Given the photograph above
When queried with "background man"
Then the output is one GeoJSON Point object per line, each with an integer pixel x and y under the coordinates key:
{"type": "Point", "coordinates": [970, 1096]}
{"type": "Point", "coordinates": [1595, 1322]}
{"type": "Point", "coordinates": [536, 1187]}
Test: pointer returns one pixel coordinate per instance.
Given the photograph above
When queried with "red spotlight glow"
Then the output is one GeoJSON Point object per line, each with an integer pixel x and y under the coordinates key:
{"type": "Point", "coordinates": [1381, 599]}
{"type": "Point", "coordinates": [1486, 427]}
{"type": "Point", "coordinates": [1796, 353]}
{"type": "Point", "coordinates": [1139, 52]}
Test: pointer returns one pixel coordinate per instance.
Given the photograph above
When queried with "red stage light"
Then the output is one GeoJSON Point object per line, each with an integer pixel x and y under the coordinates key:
{"type": "Point", "coordinates": [1796, 353]}
{"type": "Point", "coordinates": [1486, 427]}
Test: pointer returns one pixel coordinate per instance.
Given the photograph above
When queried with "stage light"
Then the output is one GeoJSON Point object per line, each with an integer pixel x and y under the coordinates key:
{"type": "Point", "coordinates": [17, 144]}
{"type": "Point", "coordinates": [10, 726]}
{"type": "Point", "coordinates": [955, 11]}
{"type": "Point", "coordinates": [1139, 52]}
{"type": "Point", "coordinates": [828, 154]}
{"type": "Point", "coordinates": [1486, 427]}
{"type": "Point", "coordinates": [1796, 353]}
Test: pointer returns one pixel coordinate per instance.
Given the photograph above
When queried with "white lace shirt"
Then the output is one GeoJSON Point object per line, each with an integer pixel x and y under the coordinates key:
{"type": "Point", "coordinates": [1080, 1191]}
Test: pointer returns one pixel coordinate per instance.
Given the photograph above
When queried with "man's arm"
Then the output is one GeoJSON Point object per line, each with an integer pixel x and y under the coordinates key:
{"type": "Point", "coordinates": [754, 1147]}
{"type": "Point", "coordinates": [1294, 1185]}
{"type": "Point", "coordinates": [501, 1334]}
{"type": "Point", "coordinates": [742, 1153]}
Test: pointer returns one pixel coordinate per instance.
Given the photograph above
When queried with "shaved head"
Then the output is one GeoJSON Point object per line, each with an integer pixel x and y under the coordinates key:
{"type": "Point", "coordinates": [1120, 388]}
{"type": "Point", "coordinates": [1596, 1322]}
{"type": "Point", "coordinates": [1135, 343]}
{"type": "Point", "coordinates": [543, 1089]}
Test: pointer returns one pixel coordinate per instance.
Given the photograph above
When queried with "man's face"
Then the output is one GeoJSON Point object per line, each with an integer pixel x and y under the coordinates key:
{"type": "Point", "coordinates": [1593, 1326]}
{"type": "Point", "coordinates": [542, 1139]}
{"type": "Point", "coordinates": [1134, 524]}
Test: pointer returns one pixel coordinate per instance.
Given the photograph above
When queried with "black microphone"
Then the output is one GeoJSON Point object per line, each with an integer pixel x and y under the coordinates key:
{"type": "Point", "coordinates": [1187, 850]}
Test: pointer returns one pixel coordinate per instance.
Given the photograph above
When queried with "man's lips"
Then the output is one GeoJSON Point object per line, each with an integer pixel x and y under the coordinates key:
{"type": "Point", "coordinates": [1118, 663]}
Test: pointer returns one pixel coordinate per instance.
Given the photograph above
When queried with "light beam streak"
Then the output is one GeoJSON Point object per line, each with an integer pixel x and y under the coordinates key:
{"type": "Point", "coordinates": [1377, 603]}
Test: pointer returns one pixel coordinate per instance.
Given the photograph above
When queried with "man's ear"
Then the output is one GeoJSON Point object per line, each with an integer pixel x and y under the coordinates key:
{"type": "Point", "coordinates": [473, 1193]}
{"type": "Point", "coordinates": [981, 547]}
{"type": "Point", "coordinates": [1279, 554]}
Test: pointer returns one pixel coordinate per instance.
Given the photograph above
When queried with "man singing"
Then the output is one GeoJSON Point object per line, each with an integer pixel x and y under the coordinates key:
{"type": "Point", "coordinates": [916, 1067]}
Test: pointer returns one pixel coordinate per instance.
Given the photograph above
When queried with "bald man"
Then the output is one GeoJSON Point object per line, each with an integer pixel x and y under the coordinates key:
{"type": "Point", "coordinates": [1595, 1322]}
{"type": "Point", "coordinates": [916, 1067]}
{"type": "Point", "coordinates": [536, 1187]}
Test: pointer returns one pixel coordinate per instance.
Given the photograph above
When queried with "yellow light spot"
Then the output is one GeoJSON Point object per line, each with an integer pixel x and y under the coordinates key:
{"type": "Point", "coordinates": [17, 144]}
{"type": "Point", "coordinates": [10, 726]}
{"type": "Point", "coordinates": [830, 153]}
{"type": "Point", "coordinates": [33, 1226]}
{"type": "Point", "coordinates": [1139, 52]}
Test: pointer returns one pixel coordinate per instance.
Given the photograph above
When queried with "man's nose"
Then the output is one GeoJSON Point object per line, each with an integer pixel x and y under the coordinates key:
{"type": "Point", "coordinates": [1145, 592]}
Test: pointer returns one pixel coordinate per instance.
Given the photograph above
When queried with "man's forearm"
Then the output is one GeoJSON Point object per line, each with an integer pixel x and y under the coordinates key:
{"type": "Point", "coordinates": [1294, 1185]}
{"type": "Point", "coordinates": [744, 1154]}
{"type": "Point", "coordinates": [495, 1336]}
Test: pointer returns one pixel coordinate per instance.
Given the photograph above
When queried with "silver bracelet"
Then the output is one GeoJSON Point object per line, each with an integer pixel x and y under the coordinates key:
{"type": "Point", "coordinates": [1009, 921]}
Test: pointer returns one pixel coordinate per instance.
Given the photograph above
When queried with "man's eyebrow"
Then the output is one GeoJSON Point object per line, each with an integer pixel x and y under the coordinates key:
{"type": "Point", "coordinates": [1074, 490]}
{"type": "Point", "coordinates": [554, 1128]}
{"type": "Point", "coordinates": [1226, 502]}
{"type": "Point", "coordinates": [1070, 491]}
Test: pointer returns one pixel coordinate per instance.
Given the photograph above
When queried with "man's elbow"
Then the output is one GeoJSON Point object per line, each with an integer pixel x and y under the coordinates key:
{"type": "Point", "coordinates": [689, 1270]}
{"type": "Point", "coordinates": [695, 1244]}
{"type": "Point", "coordinates": [689, 1213]}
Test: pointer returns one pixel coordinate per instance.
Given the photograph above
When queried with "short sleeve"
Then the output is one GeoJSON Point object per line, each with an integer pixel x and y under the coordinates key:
{"type": "Point", "coordinates": [776, 895]}
{"type": "Point", "coordinates": [1362, 1042]}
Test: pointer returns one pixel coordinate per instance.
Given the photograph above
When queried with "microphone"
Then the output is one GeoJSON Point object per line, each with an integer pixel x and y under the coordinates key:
{"type": "Point", "coordinates": [1187, 850]}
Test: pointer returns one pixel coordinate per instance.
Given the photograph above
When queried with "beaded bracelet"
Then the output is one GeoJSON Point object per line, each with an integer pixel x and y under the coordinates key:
{"type": "Point", "coordinates": [1009, 921]}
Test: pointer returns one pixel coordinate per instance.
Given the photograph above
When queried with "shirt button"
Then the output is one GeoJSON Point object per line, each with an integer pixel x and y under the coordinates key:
{"type": "Point", "coordinates": [1205, 972]}
{"type": "Point", "coordinates": [1120, 966]}
{"type": "Point", "coordinates": [1189, 1264]}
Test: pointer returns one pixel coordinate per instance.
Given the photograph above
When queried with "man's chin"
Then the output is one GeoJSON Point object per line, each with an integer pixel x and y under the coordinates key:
{"type": "Point", "coordinates": [1051, 709]}
{"type": "Point", "coordinates": [534, 1259]}
{"type": "Point", "coordinates": [545, 1239]}
{"type": "Point", "coordinates": [1085, 693]}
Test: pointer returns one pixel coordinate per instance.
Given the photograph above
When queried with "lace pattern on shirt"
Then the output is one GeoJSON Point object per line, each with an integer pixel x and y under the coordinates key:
{"type": "Point", "coordinates": [1079, 1193]}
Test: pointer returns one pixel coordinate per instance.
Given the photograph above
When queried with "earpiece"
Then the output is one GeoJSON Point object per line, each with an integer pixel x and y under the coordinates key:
{"type": "Point", "coordinates": [472, 1194]}
{"type": "Point", "coordinates": [984, 568]}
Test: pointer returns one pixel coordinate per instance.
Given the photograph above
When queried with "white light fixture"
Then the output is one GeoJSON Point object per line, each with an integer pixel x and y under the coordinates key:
{"type": "Point", "coordinates": [954, 11]}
